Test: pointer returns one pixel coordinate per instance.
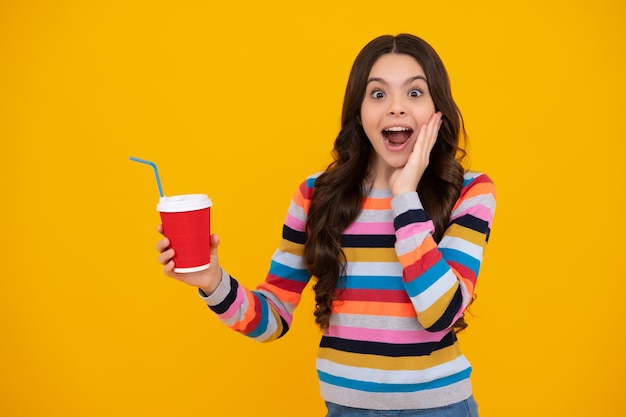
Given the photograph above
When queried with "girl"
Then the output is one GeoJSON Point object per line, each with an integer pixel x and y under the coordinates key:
{"type": "Point", "coordinates": [393, 231]}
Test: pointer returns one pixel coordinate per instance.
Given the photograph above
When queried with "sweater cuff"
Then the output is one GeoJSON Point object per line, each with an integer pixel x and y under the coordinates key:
{"type": "Point", "coordinates": [220, 293]}
{"type": "Point", "coordinates": [405, 202]}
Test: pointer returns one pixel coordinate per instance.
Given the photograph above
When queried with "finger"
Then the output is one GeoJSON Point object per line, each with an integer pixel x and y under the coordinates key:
{"type": "Point", "coordinates": [421, 143]}
{"type": "Point", "coordinates": [160, 228]}
{"type": "Point", "coordinates": [215, 242]}
{"type": "Point", "coordinates": [432, 131]}
{"type": "Point", "coordinates": [433, 125]}
{"type": "Point", "coordinates": [166, 256]}
{"type": "Point", "coordinates": [162, 244]}
{"type": "Point", "coordinates": [425, 141]}
{"type": "Point", "coordinates": [168, 269]}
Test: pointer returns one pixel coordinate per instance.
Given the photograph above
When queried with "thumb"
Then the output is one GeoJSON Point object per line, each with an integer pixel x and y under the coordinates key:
{"type": "Point", "coordinates": [215, 242]}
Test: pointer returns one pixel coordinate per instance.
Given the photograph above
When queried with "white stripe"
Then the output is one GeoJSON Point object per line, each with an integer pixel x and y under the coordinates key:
{"type": "Point", "coordinates": [296, 211]}
{"type": "Point", "coordinates": [433, 293]}
{"type": "Point", "coordinates": [409, 244]}
{"type": "Point", "coordinates": [465, 294]}
{"type": "Point", "coordinates": [381, 376]}
{"type": "Point", "coordinates": [289, 259]}
{"type": "Point", "coordinates": [375, 322]}
{"type": "Point", "coordinates": [486, 200]}
{"type": "Point", "coordinates": [375, 216]}
{"type": "Point", "coordinates": [433, 398]}
{"type": "Point", "coordinates": [462, 245]}
{"type": "Point", "coordinates": [271, 329]}
{"type": "Point", "coordinates": [375, 269]}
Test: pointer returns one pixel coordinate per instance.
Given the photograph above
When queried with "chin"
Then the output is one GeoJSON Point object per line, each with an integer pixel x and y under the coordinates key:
{"type": "Point", "coordinates": [397, 163]}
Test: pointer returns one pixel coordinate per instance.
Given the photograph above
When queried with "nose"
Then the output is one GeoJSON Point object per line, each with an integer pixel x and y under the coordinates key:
{"type": "Point", "coordinates": [396, 108]}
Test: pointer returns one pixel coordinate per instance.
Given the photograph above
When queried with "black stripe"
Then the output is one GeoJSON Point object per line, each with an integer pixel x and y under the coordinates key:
{"type": "Point", "coordinates": [387, 349]}
{"type": "Point", "coordinates": [473, 223]}
{"type": "Point", "coordinates": [368, 241]}
{"type": "Point", "coordinates": [446, 318]}
{"type": "Point", "coordinates": [229, 300]}
{"type": "Point", "coordinates": [293, 235]}
{"type": "Point", "coordinates": [285, 326]}
{"type": "Point", "coordinates": [409, 217]}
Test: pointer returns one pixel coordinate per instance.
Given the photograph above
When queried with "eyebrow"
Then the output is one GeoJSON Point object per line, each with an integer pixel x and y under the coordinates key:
{"type": "Point", "coordinates": [409, 81]}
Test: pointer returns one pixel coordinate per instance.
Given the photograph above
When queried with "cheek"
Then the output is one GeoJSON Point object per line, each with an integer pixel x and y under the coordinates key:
{"type": "Point", "coordinates": [423, 114]}
{"type": "Point", "coordinates": [370, 129]}
{"type": "Point", "coordinates": [368, 117]}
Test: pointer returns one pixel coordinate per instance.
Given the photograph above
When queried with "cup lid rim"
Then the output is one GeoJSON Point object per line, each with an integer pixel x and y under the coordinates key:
{"type": "Point", "coordinates": [183, 202]}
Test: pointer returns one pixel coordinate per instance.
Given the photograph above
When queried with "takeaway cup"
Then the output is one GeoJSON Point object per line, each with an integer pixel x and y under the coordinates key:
{"type": "Point", "coordinates": [186, 223]}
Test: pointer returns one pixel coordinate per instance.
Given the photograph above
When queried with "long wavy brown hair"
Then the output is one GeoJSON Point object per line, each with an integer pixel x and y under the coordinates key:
{"type": "Point", "coordinates": [340, 190]}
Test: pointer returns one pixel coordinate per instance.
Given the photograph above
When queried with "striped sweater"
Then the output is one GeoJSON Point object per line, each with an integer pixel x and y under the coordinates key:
{"type": "Point", "coordinates": [389, 344]}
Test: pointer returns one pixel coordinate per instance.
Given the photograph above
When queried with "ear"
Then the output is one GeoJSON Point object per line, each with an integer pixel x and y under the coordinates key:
{"type": "Point", "coordinates": [358, 119]}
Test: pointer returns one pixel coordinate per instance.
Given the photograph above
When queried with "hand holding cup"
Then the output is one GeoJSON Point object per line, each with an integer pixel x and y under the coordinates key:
{"type": "Point", "coordinates": [189, 249]}
{"type": "Point", "coordinates": [206, 279]}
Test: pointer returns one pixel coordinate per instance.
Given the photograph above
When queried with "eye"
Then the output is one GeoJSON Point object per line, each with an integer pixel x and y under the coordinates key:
{"type": "Point", "coordinates": [377, 94]}
{"type": "Point", "coordinates": [416, 92]}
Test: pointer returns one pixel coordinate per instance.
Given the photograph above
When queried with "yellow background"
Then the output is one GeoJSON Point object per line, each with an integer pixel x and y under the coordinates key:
{"type": "Point", "coordinates": [241, 101]}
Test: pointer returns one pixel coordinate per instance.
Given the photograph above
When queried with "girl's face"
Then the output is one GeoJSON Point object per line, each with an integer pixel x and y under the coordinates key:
{"type": "Point", "coordinates": [396, 103]}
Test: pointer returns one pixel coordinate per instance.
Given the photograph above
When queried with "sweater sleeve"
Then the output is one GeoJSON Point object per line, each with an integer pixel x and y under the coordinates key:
{"type": "Point", "coordinates": [440, 278]}
{"type": "Point", "coordinates": [265, 313]}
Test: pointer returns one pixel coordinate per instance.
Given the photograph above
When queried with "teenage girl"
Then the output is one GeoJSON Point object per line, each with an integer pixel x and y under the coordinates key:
{"type": "Point", "coordinates": [393, 234]}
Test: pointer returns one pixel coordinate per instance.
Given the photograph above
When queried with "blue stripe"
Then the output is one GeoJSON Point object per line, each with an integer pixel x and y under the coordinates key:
{"type": "Point", "coordinates": [287, 272]}
{"type": "Point", "coordinates": [467, 180]}
{"type": "Point", "coordinates": [393, 388]}
{"type": "Point", "coordinates": [367, 282]}
{"type": "Point", "coordinates": [462, 258]}
{"type": "Point", "coordinates": [310, 182]}
{"type": "Point", "coordinates": [428, 278]}
{"type": "Point", "coordinates": [262, 326]}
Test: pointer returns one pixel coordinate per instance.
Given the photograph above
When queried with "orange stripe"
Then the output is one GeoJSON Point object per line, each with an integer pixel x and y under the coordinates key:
{"type": "Point", "coordinates": [415, 255]}
{"type": "Point", "coordinates": [282, 294]}
{"type": "Point", "coordinates": [482, 188]}
{"type": "Point", "coordinates": [373, 308]}
{"type": "Point", "coordinates": [377, 204]}
{"type": "Point", "coordinates": [247, 318]}
{"type": "Point", "coordinates": [299, 199]}
{"type": "Point", "coordinates": [467, 282]}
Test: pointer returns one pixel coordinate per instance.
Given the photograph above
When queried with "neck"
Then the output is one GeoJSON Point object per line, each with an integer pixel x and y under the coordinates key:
{"type": "Point", "coordinates": [379, 176]}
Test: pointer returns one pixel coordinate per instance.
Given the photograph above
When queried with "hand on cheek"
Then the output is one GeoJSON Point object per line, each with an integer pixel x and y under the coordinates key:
{"type": "Point", "coordinates": [405, 179]}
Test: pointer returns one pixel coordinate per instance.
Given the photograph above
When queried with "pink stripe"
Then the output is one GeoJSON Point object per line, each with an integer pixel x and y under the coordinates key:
{"type": "Point", "coordinates": [363, 228]}
{"type": "Point", "coordinates": [481, 212]}
{"type": "Point", "coordinates": [295, 223]}
{"type": "Point", "coordinates": [413, 229]}
{"type": "Point", "coordinates": [281, 312]}
{"type": "Point", "coordinates": [385, 336]}
{"type": "Point", "coordinates": [234, 307]}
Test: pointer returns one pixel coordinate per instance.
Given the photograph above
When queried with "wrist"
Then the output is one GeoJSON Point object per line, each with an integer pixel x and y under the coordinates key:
{"type": "Point", "coordinates": [205, 292]}
{"type": "Point", "coordinates": [213, 284]}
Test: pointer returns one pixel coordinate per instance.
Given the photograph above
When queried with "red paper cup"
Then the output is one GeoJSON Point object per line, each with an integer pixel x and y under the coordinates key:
{"type": "Point", "coordinates": [187, 224]}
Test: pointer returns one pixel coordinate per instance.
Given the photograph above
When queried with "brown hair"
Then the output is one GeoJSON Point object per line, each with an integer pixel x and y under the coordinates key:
{"type": "Point", "coordinates": [340, 190]}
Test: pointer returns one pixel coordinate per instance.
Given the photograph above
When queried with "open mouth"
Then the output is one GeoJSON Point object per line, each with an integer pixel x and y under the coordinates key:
{"type": "Point", "coordinates": [397, 135]}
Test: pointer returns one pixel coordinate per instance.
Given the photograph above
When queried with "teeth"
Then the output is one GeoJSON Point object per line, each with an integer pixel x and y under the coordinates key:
{"type": "Point", "coordinates": [397, 129]}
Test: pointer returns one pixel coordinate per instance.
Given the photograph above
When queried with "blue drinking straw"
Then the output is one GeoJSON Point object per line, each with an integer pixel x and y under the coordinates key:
{"type": "Point", "coordinates": [156, 172]}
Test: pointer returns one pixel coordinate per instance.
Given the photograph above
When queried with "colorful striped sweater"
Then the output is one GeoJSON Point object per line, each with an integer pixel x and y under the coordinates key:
{"type": "Point", "coordinates": [390, 344]}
